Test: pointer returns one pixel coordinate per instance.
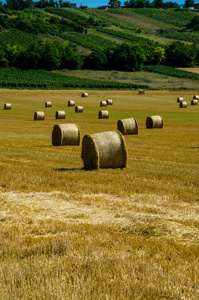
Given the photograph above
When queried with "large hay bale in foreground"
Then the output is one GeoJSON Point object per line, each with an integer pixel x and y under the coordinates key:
{"type": "Point", "coordinates": [103, 114]}
{"type": "Point", "coordinates": [39, 115]}
{"type": "Point", "coordinates": [65, 134]}
{"type": "Point", "coordinates": [48, 104]}
{"type": "Point", "coordinates": [180, 99]}
{"type": "Point", "coordinates": [196, 97]}
{"type": "Point", "coordinates": [71, 103]}
{"type": "Point", "coordinates": [60, 114]}
{"type": "Point", "coordinates": [104, 150]}
{"type": "Point", "coordinates": [7, 106]}
{"type": "Point", "coordinates": [84, 94]}
{"type": "Point", "coordinates": [154, 122]}
{"type": "Point", "coordinates": [194, 102]}
{"type": "Point", "coordinates": [79, 109]}
{"type": "Point", "coordinates": [183, 104]}
{"type": "Point", "coordinates": [103, 103]}
{"type": "Point", "coordinates": [109, 102]}
{"type": "Point", "coordinates": [127, 126]}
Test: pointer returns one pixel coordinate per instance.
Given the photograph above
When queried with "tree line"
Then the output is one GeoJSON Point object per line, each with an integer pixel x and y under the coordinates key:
{"type": "Point", "coordinates": [46, 55]}
{"type": "Point", "coordinates": [22, 4]}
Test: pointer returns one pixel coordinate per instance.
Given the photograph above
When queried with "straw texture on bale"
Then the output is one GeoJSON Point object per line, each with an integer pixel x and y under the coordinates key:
{"type": "Point", "coordinates": [180, 99]}
{"type": "Point", "coordinates": [194, 102]}
{"type": "Point", "coordinates": [7, 106]}
{"type": "Point", "coordinates": [141, 92]}
{"type": "Point", "coordinates": [60, 114]}
{"type": "Point", "coordinates": [183, 104]}
{"type": "Point", "coordinates": [39, 115]}
{"type": "Point", "coordinates": [84, 94]}
{"type": "Point", "coordinates": [104, 150]}
{"type": "Point", "coordinates": [48, 104]}
{"type": "Point", "coordinates": [127, 126]}
{"type": "Point", "coordinates": [103, 114]}
{"type": "Point", "coordinates": [65, 134]}
{"type": "Point", "coordinates": [79, 109]}
{"type": "Point", "coordinates": [154, 122]}
{"type": "Point", "coordinates": [103, 103]}
{"type": "Point", "coordinates": [196, 97]}
{"type": "Point", "coordinates": [109, 102]}
{"type": "Point", "coordinates": [71, 103]}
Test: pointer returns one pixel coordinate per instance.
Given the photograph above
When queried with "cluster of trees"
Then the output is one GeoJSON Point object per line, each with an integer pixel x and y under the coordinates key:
{"type": "Point", "coordinates": [42, 55]}
{"type": "Point", "coordinates": [47, 55]}
{"type": "Point", "coordinates": [194, 24]}
{"type": "Point", "coordinates": [22, 4]}
{"type": "Point", "coordinates": [148, 4]}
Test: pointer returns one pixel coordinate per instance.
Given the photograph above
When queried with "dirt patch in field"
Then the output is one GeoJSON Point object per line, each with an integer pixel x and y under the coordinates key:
{"type": "Point", "coordinates": [193, 70]}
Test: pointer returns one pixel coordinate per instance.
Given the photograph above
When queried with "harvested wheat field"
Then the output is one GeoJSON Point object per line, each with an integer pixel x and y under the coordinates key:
{"type": "Point", "coordinates": [113, 233]}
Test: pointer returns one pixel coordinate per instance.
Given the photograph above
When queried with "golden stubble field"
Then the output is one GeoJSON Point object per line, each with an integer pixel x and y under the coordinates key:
{"type": "Point", "coordinates": [129, 233]}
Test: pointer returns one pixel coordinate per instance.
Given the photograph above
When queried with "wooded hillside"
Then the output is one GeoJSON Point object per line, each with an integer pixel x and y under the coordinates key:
{"type": "Point", "coordinates": [123, 39]}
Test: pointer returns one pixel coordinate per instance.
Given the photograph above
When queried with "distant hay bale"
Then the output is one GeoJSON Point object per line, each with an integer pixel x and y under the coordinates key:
{"type": "Point", "coordinates": [71, 103]}
{"type": "Point", "coordinates": [154, 122]}
{"type": "Point", "coordinates": [194, 102]}
{"type": "Point", "coordinates": [127, 126]}
{"type": "Point", "coordinates": [103, 103]}
{"type": "Point", "coordinates": [48, 104]}
{"type": "Point", "coordinates": [109, 102]}
{"type": "Point", "coordinates": [79, 109]}
{"type": "Point", "coordinates": [183, 104]}
{"type": "Point", "coordinates": [104, 150]}
{"type": "Point", "coordinates": [7, 106]}
{"type": "Point", "coordinates": [103, 114]}
{"type": "Point", "coordinates": [39, 115]}
{"type": "Point", "coordinates": [180, 99]}
{"type": "Point", "coordinates": [60, 114]}
{"type": "Point", "coordinates": [141, 92]}
{"type": "Point", "coordinates": [196, 97]}
{"type": "Point", "coordinates": [84, 94]}
{"type": "Point", "coordinates": [65, 134]}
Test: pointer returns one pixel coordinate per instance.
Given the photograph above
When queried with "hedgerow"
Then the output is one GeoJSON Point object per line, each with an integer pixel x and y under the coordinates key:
{"type": "Point", "coordinates": [31, 79]}
{"type": "Point", "coordinates": [171, 72]}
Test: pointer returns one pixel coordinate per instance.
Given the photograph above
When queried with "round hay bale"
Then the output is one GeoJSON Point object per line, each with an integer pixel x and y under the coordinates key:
{"type": "Point", "coordinates": [103, 103]}
{"type": "Point", "coordinates": [127, 126]}
{"type": "Point", "coordinates": [154, 122]}
{"type": "Point", "coordinates": [180, 99]}
{"type": "Point", "coordinates": [39, 115]}
{"type": "Point", "coordinates": [48, 104]}
{"type": "Point", "coordinates": [141, 92]}
{"type": "Point", "coordinates": [7, 106]}
{"type": "Point", "coordinates": [84, 94]}
{"type": "Point", "coordinates": [79, 109]}
{"type": "Point", "coordinates": [60, 114]}
{"type": "Point", "coordinates": [196, 97]}
{"type": "Point", "coordinates": [65, 134]}
{"type": "Point", "coordinates": [71, 103]}
{"type": "Point", "coordinates": [103, 114]}
{"type": "Point", "coordinates": [104, 150]}
{"type": "Point", "coordinates": [109, 102]}
{"type": "Point", "coordinates": [194, 102]}
{"type": "Point", "coordinates": [183, 104]}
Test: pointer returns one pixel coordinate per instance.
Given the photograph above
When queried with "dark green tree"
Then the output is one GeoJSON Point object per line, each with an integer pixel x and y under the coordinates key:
{"type": "Point", "coordinates": [97, 60]}
{"type": "Point", "coordinates": [157, 3]}
{"type": "Point", "coordinates": [188, 3]}
{"type": "Point", "coordinates": [115, 3]}
{"type": "Point", "coordinates": [180, 55]}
